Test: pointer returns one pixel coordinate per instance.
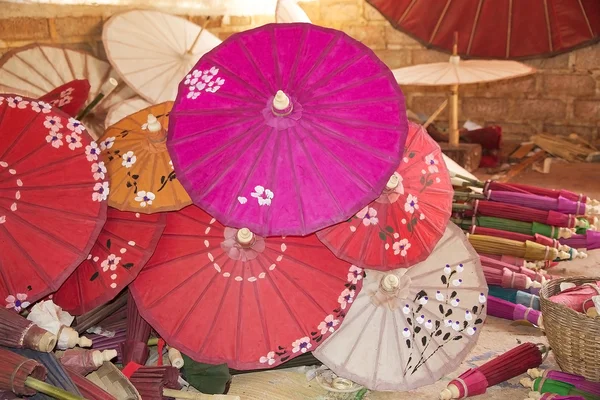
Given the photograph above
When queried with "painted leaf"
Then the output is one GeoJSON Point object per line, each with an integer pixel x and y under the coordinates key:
{"type": "Point", "coordinates": [94, 276]}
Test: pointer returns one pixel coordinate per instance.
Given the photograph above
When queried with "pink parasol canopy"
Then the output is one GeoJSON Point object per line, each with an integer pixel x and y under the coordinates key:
{"type": "Point", "coordinates": [287, 129]}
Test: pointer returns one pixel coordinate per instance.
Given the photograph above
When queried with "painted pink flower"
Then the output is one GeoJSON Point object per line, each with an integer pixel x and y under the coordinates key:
{"type": "Point", "coordinates": [17, 302]}
{"type": "Point", "coordinates": [368, 215]}
{"type": "Point", "coordinates": [236, 251]}
{"type": "Point", "coordinates": [346, 298]}
{"type": "Point", "coordinates": [431, 164]}
{"type": "Point", "coordinates": [268, 359]}
{"type": "Point", "coordinates": [301, 345]}
{"type": "Point", "coordinates": [328, 324]}
{"type": "Point", "coordinates": [355, 274]}
{"type": "Point", "coordinates": [401, 247]}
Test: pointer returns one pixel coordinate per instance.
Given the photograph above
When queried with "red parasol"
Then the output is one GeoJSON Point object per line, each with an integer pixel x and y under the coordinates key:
{"type": "Point", "coordinates": [52, 206]}
{"type": "Point", "coordinates": [497, 29]}
{"type": "Point", "coordinates": [18, 332]}
{"type": "Point", "coordinates": [491, 262]}
{"type": "Point", "coordinates": [404, 224]}
{"type": "Point", "coordinates": [70, 97]}
{"type": "Point", "coordinates": [222, 295]}
{"type": "Point", "coordinates": [502, 368]}
{"type": "Point", "coordinates": [125, 244]}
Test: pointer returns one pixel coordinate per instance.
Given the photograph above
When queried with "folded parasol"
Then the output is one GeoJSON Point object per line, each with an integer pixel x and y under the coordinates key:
{"type": "Point", "coordinates": [577, 380]}
{"type": "Point", "coordinates": [516, 296]}
{"type": "Point", "coordinates": [501, 308]}
{"type": "Point", "coordinates": [502, 368]}
{"type": "Point", "coordinates": [403, 225]}
{"type": "Point", "coordinates": [287, 129]}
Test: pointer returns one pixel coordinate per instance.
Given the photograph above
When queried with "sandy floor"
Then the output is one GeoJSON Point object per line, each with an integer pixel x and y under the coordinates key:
{"type": "Point", "coordinates": [497, 336]}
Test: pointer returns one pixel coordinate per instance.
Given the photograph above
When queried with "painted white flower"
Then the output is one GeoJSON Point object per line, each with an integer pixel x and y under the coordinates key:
{"type": "Point", "coordinates": [420, 319]}
{"type": "Point", "coordinates": [368, 216]}
{"type": "Point", "coordinates": [92, 151]}
{"type": "Point", "coordinates": [64, 101]}
{"type": "Point", "coordinates": [74, 141]}
{"type": "Point", "coordinates": [171, 164]}
{"type": "Point", "coordinates": [54, 138]}
{"type": "Point", "coordinates": [347, 297]}
{"type": "Point", "coordinates": [423, 300]}
{"type": "Point", "coordinates": [355, 274]}
{"type": "Point", "coordinates": [264, 202]}
{"type": "Point", "coordinates": [101, 191]}
{"type": "Point", "coordinates": [406, 332]}
{"type": "Point", "coordinates": [67, 92]}
{"type": "Point", "coordinates": [40, 106]}
{"type": "Point", "coordinates": [460, 268]}
{"type": "Point", "coordinates": [107, 143]}
{"type": "Point", "coordinates": [328, 324]}
{"type": "Point", "coordinates": [75, 126]}
{"type": "Point", "coordinates": [455, 302]}
{"type": "Point", "coordinates": [200, 86]}
{"type": "Point", "coordinates": [268, 359]}
{"type": "Point", "coordinates": [447, 270]}
{"type": "Point", "coordinates": [111, 262]}
{"type": "Point", "coordinates": [471, 330]}
{"type": "Point", "coordinates": [401, 247]}
{"type": "Point", "coordinates": [406, 309]}
{"type": "Point", "coordinates": [428, 324]}
{"type": "Point", "coordinates": [129, 159]}
{"type": "Point", "coordinates": [431, 164]}
{"type": "Point", "coordinates": [17, 102]}
{"type": "Point", "coordinates": [259, 192]}
{"type": "Point", "coordinates": [269, 194]}
{"type": "Point", "coordinates": [214, 70]}
{"type": "Point", "coordinates": [481, 298]}
{"type": "Point", "coordinates": [447, 322]}
{"type": "Point", "coordinates": [17, 302]}
{"type": "Point", "coordinates": [468, 315]}
{"type": "Point", "coordinates": [192, 95]}
{"type": "Point", "coordinates": [456, 325]}
{"type": "Point", "coordinates": [2, 100]}
{"type": "Point", "coordinates": [53, 123]}
{"type": "Point", "coordinates": [145, 198]}
{"type": "Point", "coordinates": [301, 345]}
{"type": "Point", "coordinates": [99, 170]}
{"type": "Point", "coordinates": [439, 296]}
{"type": "Point", "coordinates": [457, 282]}
{"type": "Point", "coordinates": [411, 204]}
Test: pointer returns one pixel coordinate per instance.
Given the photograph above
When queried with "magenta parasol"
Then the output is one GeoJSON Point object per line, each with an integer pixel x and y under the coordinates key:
{"type": "Point", "coordinates": [590, 241]}
{"type": "Point", "coordinates": [287, 129]}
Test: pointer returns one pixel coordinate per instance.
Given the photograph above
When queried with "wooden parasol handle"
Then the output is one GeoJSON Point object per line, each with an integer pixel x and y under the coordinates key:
{"type": "Point", "coordinates": [50, 390]}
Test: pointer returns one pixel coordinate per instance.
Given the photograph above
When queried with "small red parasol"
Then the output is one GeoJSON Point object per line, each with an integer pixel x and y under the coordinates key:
{"type": "Point", "coordinates": [502, 368]}
{"type": "Point", "coordinates": [223, 295]}
{"type": "Point", "coordinates": [70, 97]}
{"type": "Point", "coordinates": [52, 206]}
{"type": "Point", "coordinates": [125, 244]}
{"type": "Point", "coordinates": [402, 226]}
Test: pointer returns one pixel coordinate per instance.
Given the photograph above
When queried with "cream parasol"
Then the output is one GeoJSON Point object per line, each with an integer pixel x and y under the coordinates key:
{"type": "Point", "coordinates": [409, 327]}
{"type": "Point", "coordinates": [458, 72]}
{"type": "Point", "coordinates": [289, 11]}
{"type": "Point", "coordinates": [125, 108]}
{"type": "Point", "coordinates": [35, 70]}
{"type": "Point", "coordinates": [153, 51]}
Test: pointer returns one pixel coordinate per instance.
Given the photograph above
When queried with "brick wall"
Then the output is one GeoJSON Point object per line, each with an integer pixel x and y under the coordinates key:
{"type": "Point", "coordinates": [563, 97]}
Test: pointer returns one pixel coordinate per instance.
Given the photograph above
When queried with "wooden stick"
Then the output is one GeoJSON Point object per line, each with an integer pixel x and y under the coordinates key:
{"type": "Point", "coordinates": [435, 114]}
{"type": "Point", "coordinates": [202, 28]}
{"type": "Point", "coordinates": [454, 136]}
{"type": "Point", "coordinates": [50, 390]}
{"type": "Point", "coordinates": [180, 394]}
{"type": "Point", "coordinates": [517, 169]}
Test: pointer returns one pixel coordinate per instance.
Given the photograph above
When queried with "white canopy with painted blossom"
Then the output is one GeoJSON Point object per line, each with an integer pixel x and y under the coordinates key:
{"type": "Point", "coordinates": [409, 327]}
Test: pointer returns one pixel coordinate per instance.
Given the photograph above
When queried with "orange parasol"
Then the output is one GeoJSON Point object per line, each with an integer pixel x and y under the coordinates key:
{"type": "Point", "coordinates": [141, 173]}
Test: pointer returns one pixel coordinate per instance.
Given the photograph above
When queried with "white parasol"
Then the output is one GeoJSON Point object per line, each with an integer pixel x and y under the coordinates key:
{"type": "Point", "coordinates": [409, 327]}
{"type": "Point", "coordinates": [123, 109]}
{"type": "Point", "coordinates": [38, 69]}
{"type": "Point", "coordinates": [289, 11]}
{"type": "Point", "coordinates": [153, 51]}
{"type": "Point", "coordinates": [458, 72]}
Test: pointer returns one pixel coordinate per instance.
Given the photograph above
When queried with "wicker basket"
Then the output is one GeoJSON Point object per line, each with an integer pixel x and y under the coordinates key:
{"type": "Point", "coordinates": [573, 336]}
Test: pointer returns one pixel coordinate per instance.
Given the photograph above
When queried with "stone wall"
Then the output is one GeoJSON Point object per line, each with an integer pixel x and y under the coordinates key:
{"type": "Point", "coordinates": [563, 97]}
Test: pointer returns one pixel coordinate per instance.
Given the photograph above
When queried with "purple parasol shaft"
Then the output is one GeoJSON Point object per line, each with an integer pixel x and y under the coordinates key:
{"type": "Point", "coordinates": [525, 214]}
{"type": "Point", "coordinates": [505, 309]}
{"type": "Point", "coordinates": [520, 188]}
{"type": "Point", "coordinates": [559, 204]}
{"type": "Point", "coordinates": [589, 241]}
